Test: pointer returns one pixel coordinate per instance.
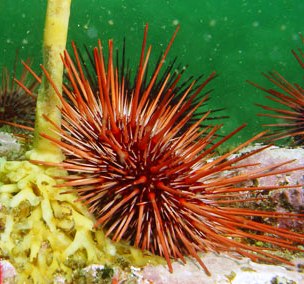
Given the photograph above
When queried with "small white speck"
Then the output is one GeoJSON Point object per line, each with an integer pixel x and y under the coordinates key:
{"type": "Point", "coordinates": [175, 22]}
{"type": "Point", "coordinates": [8, 40]}
{"type": "Point", "coordinates": [295, 37]}
{"type": "Point", "coordinates": [25, 41]}
{"type": "Point", "coordinates": [255, 24]}
{"type": "Point", "coordinates": [23, 15]}
{"type": "Point", "coordinates": [86, 25]}
{"type": "Point", "coordinates": [207, 37]}
{"type": "Point", "coordinates": [283, 28]}
{"type": "Point", "coordinates": [92, 32]}
{"type": "Point", "coordinates": [240, 51]}
{"type": "Point", "coordinates": [111, 22]}
{"type": "Point", "coordinates": [212, 23]}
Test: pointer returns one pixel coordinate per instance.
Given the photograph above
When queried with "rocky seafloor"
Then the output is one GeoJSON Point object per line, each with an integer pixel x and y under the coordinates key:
{"type": "Point", "coordinates": [223, 268]}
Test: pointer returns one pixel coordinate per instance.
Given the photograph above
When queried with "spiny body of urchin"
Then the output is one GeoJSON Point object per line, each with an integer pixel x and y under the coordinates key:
{"type": "Point", "coordinates": [148, 178]}
{"type": "Point", "coordinates": [289, 110]}
{"type": "Point", "coordinates": [17, 106]}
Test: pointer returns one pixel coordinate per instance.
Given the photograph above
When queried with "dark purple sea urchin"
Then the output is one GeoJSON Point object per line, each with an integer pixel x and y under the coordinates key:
{"type": "Point", "coordinates": [17, 104]}
{"type": "Point", "coordinates": [148, 178]}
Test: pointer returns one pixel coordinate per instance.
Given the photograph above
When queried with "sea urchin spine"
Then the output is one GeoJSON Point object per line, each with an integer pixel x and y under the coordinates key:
{"type": "Point", "coordinates": [18, 99]}
{"type": "Point", "coordinates": [290, 113]}
{"type": "Point", "coordinates": [145, 180]}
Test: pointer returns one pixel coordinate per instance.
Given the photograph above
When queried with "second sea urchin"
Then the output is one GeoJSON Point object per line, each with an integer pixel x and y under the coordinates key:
{"type": "Point", "coordinates": [149, 179]}
{"type": "Point", "coordinates": [289, 114]}
{"type": "Point", "coordinates": [17, 104]}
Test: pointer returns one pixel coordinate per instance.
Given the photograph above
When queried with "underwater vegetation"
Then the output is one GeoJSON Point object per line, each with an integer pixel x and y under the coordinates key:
{"type": "Point", "coordinates": [140, 158]}
{"type": "Point", "coordinates": [289, 113]}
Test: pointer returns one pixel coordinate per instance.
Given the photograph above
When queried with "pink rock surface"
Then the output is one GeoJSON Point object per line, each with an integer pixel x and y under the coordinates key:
{"type": "Point", "coordinates": [223, 270]}
{"type": "Point", "coordinates": [283, 200]}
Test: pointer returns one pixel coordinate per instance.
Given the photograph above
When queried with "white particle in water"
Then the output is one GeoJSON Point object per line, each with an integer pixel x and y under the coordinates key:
{"type": "Point", "coordinates": [111, 22]}
{"type": "Point", "coordinates": [175, 22]}
{"type": "Point", "coordinates": [255, 24]}
{"type": "Point", "coordinates": [207, 37]}
{"type": "Point", "coordinates": [295, 37]}
{"type": "Point", "coordinates": [92, 32]}
{"type": "Point", "coordinates": [212, 23]}
{"type": "Point", "coordinates": [86, 25]}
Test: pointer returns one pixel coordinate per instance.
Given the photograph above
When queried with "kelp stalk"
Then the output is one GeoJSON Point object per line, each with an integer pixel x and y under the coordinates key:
{"type": "Point", "coordinates": [48, 103]}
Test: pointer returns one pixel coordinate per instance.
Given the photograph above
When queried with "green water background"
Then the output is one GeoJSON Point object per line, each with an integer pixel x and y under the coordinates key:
{"type": "Point", "coordinates": [237, 39]}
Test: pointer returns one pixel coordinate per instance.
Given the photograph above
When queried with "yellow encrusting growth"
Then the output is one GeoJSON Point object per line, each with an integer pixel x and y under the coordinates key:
{"type": "Point", "coordinates": [45, 233]}
{"type": "Point", "coordinates": [42, 226]}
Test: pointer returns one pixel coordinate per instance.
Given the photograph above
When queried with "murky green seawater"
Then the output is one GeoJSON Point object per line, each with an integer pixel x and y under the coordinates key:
{"type": "Point", "coordinates": [238, 39]}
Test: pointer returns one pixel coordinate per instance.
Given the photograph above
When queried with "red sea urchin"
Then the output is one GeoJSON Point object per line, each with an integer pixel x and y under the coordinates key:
{"type": "Point", "coordinates": [291, 107]}
{"type": "Point", "coordinates": [149, 179]}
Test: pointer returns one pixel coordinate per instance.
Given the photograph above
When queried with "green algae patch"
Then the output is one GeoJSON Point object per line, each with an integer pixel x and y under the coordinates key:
{"type": "Point", "coordinates": [231, 276]}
